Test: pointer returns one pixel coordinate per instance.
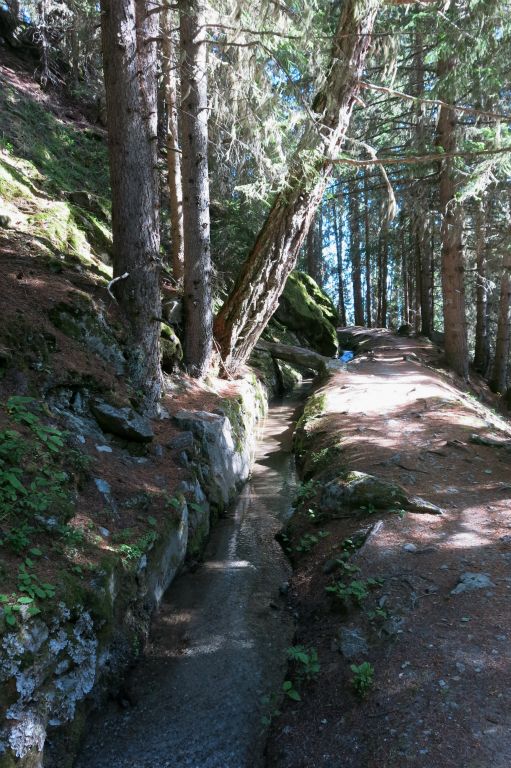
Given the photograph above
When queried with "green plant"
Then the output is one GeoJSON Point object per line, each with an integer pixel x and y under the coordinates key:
{"type": "Point", "coordinates": [305, 492]}
{"type": "Point", "coordinates": [50, 436]}
{"type": "Point", "coordinates": [133, 552]}
{"type": "Point", "coordinates": [363, 678]}
{"type": "Point", "coordinates": [18, 538]}
{"type": "Point", "coordinates": [356, 591]}
{"type": "Point", "coordinates": [309, 540]}
{"type": "Point", "coordinates": [306, 660]}
{"type": "Point", "coordinates": [269, 703]}
{"type": "Point", "coordinates": [31, 584]}
{"type": "Point", "coordinates": [290, 691]}
{"type": "Point", "coordinates": [12, 604]}
{"type": "Point", "coordinates": [379, 614]}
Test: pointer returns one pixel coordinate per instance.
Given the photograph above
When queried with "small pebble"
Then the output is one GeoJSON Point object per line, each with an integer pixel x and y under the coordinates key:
{"type": "Point", "coordinates": [410, 548]}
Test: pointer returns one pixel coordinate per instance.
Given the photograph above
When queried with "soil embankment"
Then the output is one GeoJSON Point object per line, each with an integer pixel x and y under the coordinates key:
{"type": "Point", "coordinates": [434, 625]}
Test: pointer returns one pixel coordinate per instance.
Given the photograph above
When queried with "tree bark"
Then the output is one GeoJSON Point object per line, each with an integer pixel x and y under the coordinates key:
{"type": "Point", "coordinates": [482, 346]}
{"type": "Point", "coordinates": [314, 250]}
{"type": "Point", "coordinates": [337, 224]}
{"type": "Point", "coordinates": [367, 253]}
{"type": "Point", "coordinates": [421, 203]}
{"type": "Point", "coordinates": [498, 382]}
{"type": "Point", "coordinates": [255, 296]}
{"type": "Point", "coordinates": [356, 265]}
{"type": "Point", "coordinates": [170, 66]}
{"type": "Point", "coordinates": [453, 261]}
{"type": "Point", "coordinates": [130, 82]}
{"type": "Point", "coordinates": [194, 142]}
{"type": "Point", "coordinates": [384, 275]}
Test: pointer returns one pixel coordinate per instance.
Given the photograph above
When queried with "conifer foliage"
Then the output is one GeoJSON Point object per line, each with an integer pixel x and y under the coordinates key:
{"type": "Point", "coordinates": [367, 142]}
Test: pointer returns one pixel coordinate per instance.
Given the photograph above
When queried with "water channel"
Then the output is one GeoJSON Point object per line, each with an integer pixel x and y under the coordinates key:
{"type": "Point", "coordinates": [217, 644]}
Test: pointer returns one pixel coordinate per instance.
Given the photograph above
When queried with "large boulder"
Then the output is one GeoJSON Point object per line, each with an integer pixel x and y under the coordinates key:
{"type": "Point", "coordinates": [359, 492]}
{"type": "Point", "coordinates": [307, 311]}
{"type": "Point", "coordinates": [227, 459]}
{"type": "Point", "coordinates": [123, 422]}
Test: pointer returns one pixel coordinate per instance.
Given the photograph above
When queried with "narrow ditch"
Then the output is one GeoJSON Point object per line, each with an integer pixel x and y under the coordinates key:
{"type": "Point", "coordinates": [217, 645]}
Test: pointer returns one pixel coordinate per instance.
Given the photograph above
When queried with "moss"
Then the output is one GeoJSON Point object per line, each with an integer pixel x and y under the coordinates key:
{"type": "Point", "coordinates": [325, 459]}
{"type": "Point", "coordinates": [233, 409]}
{"type": "Point", "coordinates": [305, 309]}
{"type": "Point", "coordinates": [314, 408]}
{"type": "Point", "coordinates": [171, 350]}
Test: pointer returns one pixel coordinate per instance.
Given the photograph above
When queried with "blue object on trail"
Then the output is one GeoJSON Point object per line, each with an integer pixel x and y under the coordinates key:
{"type": "Point", "coordinates": [346, 356]}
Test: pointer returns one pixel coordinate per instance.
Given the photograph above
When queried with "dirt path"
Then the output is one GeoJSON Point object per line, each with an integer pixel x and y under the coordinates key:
{"type": "Point", "coordinates": [441, 652]}
{"type": "Point", "coordinates": [217, 645]}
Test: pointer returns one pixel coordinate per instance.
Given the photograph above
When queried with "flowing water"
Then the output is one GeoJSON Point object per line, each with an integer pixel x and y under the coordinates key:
{"type": "Point", "coordinates": [217, 644]}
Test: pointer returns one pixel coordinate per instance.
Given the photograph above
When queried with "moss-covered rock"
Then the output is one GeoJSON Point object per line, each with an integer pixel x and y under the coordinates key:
{"type": "Point", "coordinates": [356, 492]}
{"type": "Point", "coordinates": [305, 309]}
{"type": "Point", "coordinates": [171, 350]}
{"type": "Point", "coordinates": [314, 409]}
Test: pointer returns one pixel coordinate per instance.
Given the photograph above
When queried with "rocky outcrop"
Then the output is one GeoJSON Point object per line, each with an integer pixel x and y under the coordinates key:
{"type": "Point", "coordinates": [81, 321]}
{"type": "Point", "coordinates": [122, 422]}
{"type": "Point", "coordinates": [224, 443]}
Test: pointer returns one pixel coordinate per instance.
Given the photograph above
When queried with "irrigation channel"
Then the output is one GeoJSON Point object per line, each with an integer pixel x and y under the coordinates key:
{"type": "Point", "coordinates": [217, 644]}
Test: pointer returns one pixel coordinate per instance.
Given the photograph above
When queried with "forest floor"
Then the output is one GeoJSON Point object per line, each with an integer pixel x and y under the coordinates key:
{"type": "Point", "coordinates": [437, 639]}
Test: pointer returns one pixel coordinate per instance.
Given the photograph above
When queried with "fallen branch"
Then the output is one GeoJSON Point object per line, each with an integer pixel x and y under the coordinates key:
{"type": "Point", "coordinates": [116, 280]}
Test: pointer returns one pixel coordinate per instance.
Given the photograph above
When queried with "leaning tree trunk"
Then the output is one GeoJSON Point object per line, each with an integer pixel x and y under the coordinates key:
{"type": "Point", "coordinates": [170, 65]}
{"type": "Point", "coordinates": [130, 81]}
{"type": "Point", "coordinates": [453, 260]}
{"type": "Point", "coordinates": [194, 144]}
{"type": "Point", "coordinates": [498, 381]}
{"type": "Point", "coordinates": [254, 299]}
{"type": "Point", "coordinates": [314, 251]}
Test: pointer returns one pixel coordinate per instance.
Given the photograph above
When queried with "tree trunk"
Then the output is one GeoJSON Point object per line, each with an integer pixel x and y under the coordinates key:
{"type": "Point", "coordinates": [421, 203]}
{"type": "Point", "coordinates": [173, 150]}
{"type": "Point", "coordinates": [453, 261]}
{"type": "Point", "coordinates": [307, 358]}
{"type": "Point", "coordinates": [367, 252]}
{"type": "Point", "coordinates": [255, 296]}
{"type": "Point", "coordinates": [498, 382]}
{"type": "Point", "coordinates": [356, 265]}
{"type": "Point", "coordinates": [130, 83]}
{"type": "Point", "coordinates": [314, 250]}
{"type": "Point", "coordinates": [337, 223]}
{"type": "Point", "coordinates": [406, 300]}
{"type": "Point", "coordinates": [384, 275]}
{"type": "Point", "coordinates": [194, 143]}
{"type": "Point", "coordinates": [482, 347]}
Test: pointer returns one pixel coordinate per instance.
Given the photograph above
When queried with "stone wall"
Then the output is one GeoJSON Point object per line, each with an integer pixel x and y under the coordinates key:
{"type": "Point", "coordinates": [54, 671]}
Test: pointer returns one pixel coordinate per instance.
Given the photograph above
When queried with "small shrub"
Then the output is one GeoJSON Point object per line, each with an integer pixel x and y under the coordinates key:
{"type": "Point", "coordinates": [363, 678]}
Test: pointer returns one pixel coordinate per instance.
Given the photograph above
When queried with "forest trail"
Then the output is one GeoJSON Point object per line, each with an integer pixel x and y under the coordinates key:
{"type": "Point", "coordinates": [441, 650]}
{"type": "Point", "coordinates": [217, 644]}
